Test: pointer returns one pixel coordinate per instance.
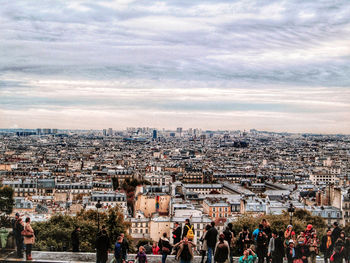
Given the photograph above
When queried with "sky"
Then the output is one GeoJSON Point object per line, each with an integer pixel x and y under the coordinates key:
{"type": "Point", "coordinates": [263, 64]}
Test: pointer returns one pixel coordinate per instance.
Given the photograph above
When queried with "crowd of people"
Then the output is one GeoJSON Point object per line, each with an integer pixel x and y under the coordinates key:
{"type": "Point", "coordinates": [260, 245]}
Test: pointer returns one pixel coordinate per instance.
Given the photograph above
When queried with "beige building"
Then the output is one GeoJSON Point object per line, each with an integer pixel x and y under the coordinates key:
{"type": "Point", "coordinates": [146, 203]}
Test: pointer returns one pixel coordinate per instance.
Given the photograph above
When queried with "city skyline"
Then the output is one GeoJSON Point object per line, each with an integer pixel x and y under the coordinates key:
{"type": "Point", "coordinates": [269, 65]}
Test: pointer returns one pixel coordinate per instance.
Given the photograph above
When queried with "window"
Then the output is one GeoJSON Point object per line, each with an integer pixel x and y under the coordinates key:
{"type": "Point", "coordinates": [213, 209]}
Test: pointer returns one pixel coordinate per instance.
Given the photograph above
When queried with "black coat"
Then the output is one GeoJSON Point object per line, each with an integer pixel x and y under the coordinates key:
{"type": "Point", "coordinates": [323, 248]}
{"type": "Point", "coordinates": [164, 243]}
{"type": "Point", "coordinates": [211, 237]}
{"type": "Point", "coordinates": [75, 238]}
{"type": "Point", "coordinates": [177, 235]}
{"type": "Point", "coordinates": [336, 233]}
{"type": "Point", "coordinates": [102, 243]}
{"type": "Point", "coordinates": [279, 248]}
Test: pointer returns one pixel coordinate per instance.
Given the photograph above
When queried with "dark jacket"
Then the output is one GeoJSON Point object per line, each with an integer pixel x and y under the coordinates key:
{"type": "Point", "coordinates": [221, 252]}
{"type": "Point", "coordinates": [228, 236]}
{"type": "Point", "coordinates": [118, 250]}
{"type": "Point", "coordinates": [102, 243]}
{"type": "Point", "coordinates": [323, 248]}
{"type": "Point", "coordinates": [177, 235]}
{"type": "Point", "coordinates": [18, 228]}
{"type": "Point", "coordinates": [302, 250]}
{"type": "Point", "coordinates": [336, 233]}
{"type": "Point", "coordinates": [164, 242]}
{"type": "Point", "coordinates": [75, 238]}
{"type": "Point", "coordinates": [279, 248]}
{"type": "Point", "coordinates": [211, 237]}
{"type": "Point", "coordinates": [142, 257]}
{"type": "Point", "coordinates": [244, 239]}
{"type": "Point", "coordinates": [125, 248]}
{"type": "Point", "coordinates": [289, 254]}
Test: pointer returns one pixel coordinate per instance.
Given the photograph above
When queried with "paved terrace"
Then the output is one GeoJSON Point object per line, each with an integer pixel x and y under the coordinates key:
{"type": "Point", "coordinates": [70, 257]}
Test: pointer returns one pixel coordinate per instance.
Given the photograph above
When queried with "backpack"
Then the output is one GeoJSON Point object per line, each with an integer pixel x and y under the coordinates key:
{"type": "Point", "coordinates": [190, 234]}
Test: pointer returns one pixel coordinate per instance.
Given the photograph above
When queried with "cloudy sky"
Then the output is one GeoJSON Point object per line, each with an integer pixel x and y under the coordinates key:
{"type": "Point", "coordinates": [272, 65]}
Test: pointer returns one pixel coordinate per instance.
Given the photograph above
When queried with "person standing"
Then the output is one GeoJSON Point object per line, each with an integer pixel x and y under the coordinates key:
{"type": "Point", "coordinates": [185, 251]}
{"type": "Point", "coordinates": [118, 254]}
{"type": "Point", "coordinates": [313, 248]}
{"type": "Point", "coordinates": [188, 230]}
{"type": "Point", "coordinates": [290, 251]}
{"type": "Point", "coordinates": [102, 247]}
{"type": "Point", "coordinates": [17, 231]}
{"type": "Point", "coordinates": [165, 247]}
{"type": "Point", "coordinates": [222, 250]}
{"type": "Point", "coordinates": [204, 247]}
{"type": "Point", "coordinates": [125, 248]}
{"type": "Point", "coordinates": [211, 238]}
{"type": "Point", "coordinates": [29, 238]}
{"type": "Point", "coordinates": [75, 239]}
{"type": "Point", "coordinates": [272, 248]}
{"type": "Point", "coordinates": [141, 255]}
{"type": "Point", "coordinates": [244, 240]}
{"type": "Point", "coordinates": [336, 232]}
{"type": "Point", "coordinates": [279, 248]}
{"type": "Point", "coordinates": [228, 233]}
{"type": "Point", "coordinates": [302, 250]}
{"type": "Point", "coordinates": [327, 246]}
{"type": "Point", "coordinates": [261, 246]}
{"type": "Point", "coordinates": [176, 233]}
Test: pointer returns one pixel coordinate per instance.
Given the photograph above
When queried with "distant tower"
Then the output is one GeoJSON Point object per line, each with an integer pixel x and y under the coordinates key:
{"type": "Point", "coordinates": [38, 131]}
{"type": "Point", "coordinates": [179, 130]}
{"type": "Point", "coordinates": [104, 132]}
{"type": "Point", "coordinates": [154, 135]}
{"type": "Point", "coordinates": [110, 131]}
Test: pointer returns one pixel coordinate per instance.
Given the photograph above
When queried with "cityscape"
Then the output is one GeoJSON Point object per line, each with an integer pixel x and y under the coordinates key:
{"type": "Point", "coordinates": [168, 131]}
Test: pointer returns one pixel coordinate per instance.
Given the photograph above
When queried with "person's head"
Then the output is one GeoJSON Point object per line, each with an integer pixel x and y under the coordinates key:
{"type": "Point", "coordinates": [309, 227]}
{"type": "Point", "coordinates": [342, 234]}
{"type": "Point", "coordinates": [27, 220]}
{"type": "Point", "coordinates": [314, 235]}
{"type": "Point", "coordinates": [230, 226]}
{"type": "Point", "coordinates": [291, 243]}
{"type": "Point", "coordinates": [154, 244]}
{"type": "Point", "coordinates": [141, 249]}
{"type": "Point", "coordinates": [289, 227]}
{"type": "Point", "coordinates": [164, 235]}
{"type": "Point", "coordinates": [301, 240]}
{"type": "Point", "coordinates": [187, 221]}
{"type": "Point", "coordinates": [120, 239]}
{"type": "Point", "coordinates": [245, 228]}
{"type": "Point", "coordinates": [17, 216]}
{"type": "Point", "coordinates": [260, 234]}
{"type": "Point", "coordinates": [261, 226]}
{"type": "Point", "coordinates": [221, 238]}
{"type": "Point", "coordinates": [77, 228]}
{"type": "Point", "coordinates": [329, 232]}
{"type": "Point", "coordinates": [122, 235]}
{"type": "Point", "coordinates": [103, 227]}
{"type": "Point", "coordinates": [302, 234]}
{"type": "Point", "coordinates": [246, 252]}
{"type": "Point", "coordinates": [335, 224]}
{"type": "Point", "coordinates": [264, 222]}
{"type": "Point", "coordinates": [212, 224]}
{"type": "Point", "coordinates": [207, 227]}
{"type": "Point", "coordinates": [176, 224]}
{"type": "Point", "coordinates": [103, 232]}
{"type": "Point", "coordinates": [274, 233]}
{"type": "Point", "coordinates": [185, 240]}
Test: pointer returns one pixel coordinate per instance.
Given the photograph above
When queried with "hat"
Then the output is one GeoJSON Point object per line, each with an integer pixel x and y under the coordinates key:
{"type": "Point", "coordinates": [309, 227]}
{"type": "Point", "coordinates": [289, 226]}
{"type": "Point", "coordinates": [291, 241]}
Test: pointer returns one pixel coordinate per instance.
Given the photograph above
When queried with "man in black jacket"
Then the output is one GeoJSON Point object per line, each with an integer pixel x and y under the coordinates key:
{"type": "Point", "coordinates": [75, 239]}
{"type": "Point", "coordinates": [187, 227]}
{"type": "Point", "coordinates": [336, 232]}
{"type": "Point", "coordinates": [211, 238]}
{"type": "Point", "coordinates": [278, 254]}
{"type": "Point", "coordinates": [17, 231]}
{"type": "Point", "coordinates": [177, 233]}
{"type": "Point", "coordinates": [102, 247]}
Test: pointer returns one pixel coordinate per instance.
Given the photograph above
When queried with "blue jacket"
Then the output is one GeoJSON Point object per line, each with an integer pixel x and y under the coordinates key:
{"type": "Point", "coordinates": [256, 233]}
{"type": "Point", "coordinates": [118, 250]}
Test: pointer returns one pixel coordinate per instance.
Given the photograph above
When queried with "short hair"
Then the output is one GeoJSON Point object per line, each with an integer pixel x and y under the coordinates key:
{"type": "Point", "coordinates": [119, 238]}
{"type": "Point", "coordinates": [104, 232]}
{"type": "Point", "coordinates": [245, 228]}
{"type": "Point", "coordinates": [103, 226]}
{"type": "Point", "coordinates": [275, 232]}
{"type": "Point", "coordinates": [164, 234]}
{"type": "Point", "coordinates": [187, 220]}
{"type": "Point", "coordinates": [261, 226]}
{"type": "Point", "coordinates": [177, 223]}
{"type": "Point", "coordinates": [335, 223]}
{"type": "Point", "coordinates": [27, 219]}
{"type": "Point", "coordinates": [212, 223]}
{"type": "Point", "coordinates": [207, 227]}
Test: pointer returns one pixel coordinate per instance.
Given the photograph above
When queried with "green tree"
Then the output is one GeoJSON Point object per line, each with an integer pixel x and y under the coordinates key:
{"type": "Point", "coordinates": [56, 232]}
{"type": "Point", "coordinates": [6, 199]}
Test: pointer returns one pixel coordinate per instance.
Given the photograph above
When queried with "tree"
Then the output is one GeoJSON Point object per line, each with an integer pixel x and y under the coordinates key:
{"type": "Point", "coordinates": [6, 199]}
{"type": "Point", "coordinates": [56, 232]}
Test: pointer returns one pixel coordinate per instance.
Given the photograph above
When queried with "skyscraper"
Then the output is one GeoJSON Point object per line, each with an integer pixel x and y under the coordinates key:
{"type": "Point", "coordinates": [155, 134]}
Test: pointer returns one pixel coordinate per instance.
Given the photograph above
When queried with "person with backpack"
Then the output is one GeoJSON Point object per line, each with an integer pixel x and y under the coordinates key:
{"type": "Point", "coordinates": [211, 238]}
{"type": "Point", "coordinates": [188, 230]}
{"type": "Point", "coordinates": [222, 250]}
{"type": "Point", "coordinates": [165, 247]}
